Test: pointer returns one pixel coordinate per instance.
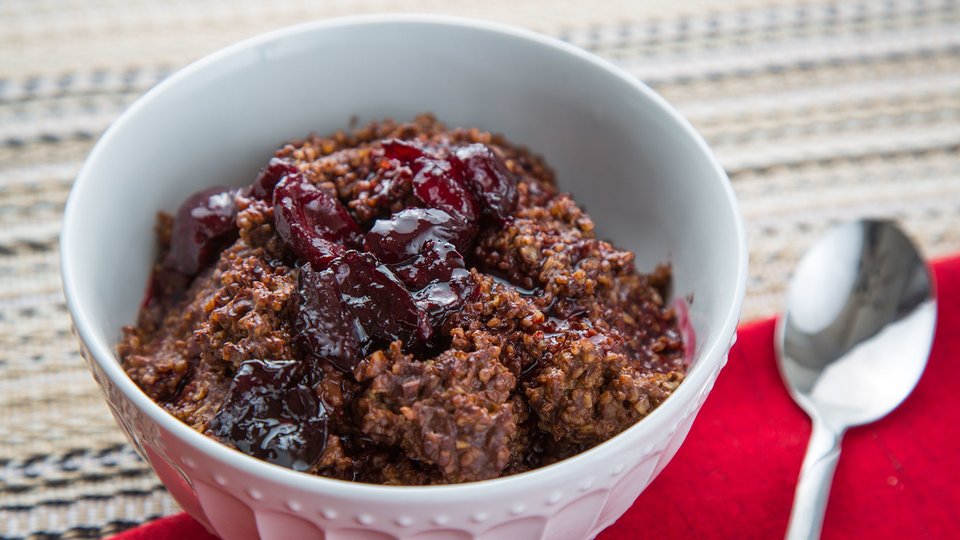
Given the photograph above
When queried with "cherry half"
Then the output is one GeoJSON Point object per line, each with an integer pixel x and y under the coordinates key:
{"type": "Point", "coordinates": [404, 234]}
{"type": "Point", "coordinates": [353, 307]}
{"type": "Point", "coordinates": [436, 181]}
{"type": "Point", "coordinates": [488, 177]}
{"type": "Point", "coordinates": [269, 177]}
{"type": "Point", "coordinates": [310, 221]}
{"type": "Point", "coordinates": [271, 412]}
{"type": "Point", "coordinates": [326, 329]}
{"type": "Point", "coordinates": [205, 223]}
{"type": "Point", "coordinates": [384, 309]}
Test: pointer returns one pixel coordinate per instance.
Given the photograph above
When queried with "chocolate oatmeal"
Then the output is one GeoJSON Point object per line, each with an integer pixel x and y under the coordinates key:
{"type": "Point", "coordinates": [404, 304]}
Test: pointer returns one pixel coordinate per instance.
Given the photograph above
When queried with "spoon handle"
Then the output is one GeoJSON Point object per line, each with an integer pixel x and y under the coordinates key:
{"type": "Point", "coordinates": [813, 489]}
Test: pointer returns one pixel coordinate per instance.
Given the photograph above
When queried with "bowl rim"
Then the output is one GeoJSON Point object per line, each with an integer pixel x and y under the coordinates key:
{"type": "Point", "coordinates": [106, 358]}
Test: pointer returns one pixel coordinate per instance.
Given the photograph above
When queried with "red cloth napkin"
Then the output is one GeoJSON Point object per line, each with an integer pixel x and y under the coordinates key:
{"type": "Point", "coordinates": [734, 476]}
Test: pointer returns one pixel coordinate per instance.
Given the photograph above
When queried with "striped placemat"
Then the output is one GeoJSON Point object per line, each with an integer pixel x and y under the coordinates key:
{"type": "Point", "coordinates": [820, 112]}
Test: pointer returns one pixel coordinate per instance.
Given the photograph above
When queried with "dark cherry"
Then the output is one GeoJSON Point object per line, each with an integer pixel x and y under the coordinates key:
{"type": "Point", "coordinates": [438, 187]}
{"type": "Point", "coordinates": [435, 261]}
{"type": "Point", "coordinates": [489, 179]}
{"type": "Point", "coordinates": [436, 181]}
{"type": "Point", "coordinates": [353, 307]}
{"type": "Point", "coordinates": [269, 177]}
{"type": "Point", "coordinates": [439, 299]}
{"type": "Point", "coordinates": [383, 308]}
{"type": "Point", "coordinates": [204, 224]}
{"type": "Point", "coordinates": [325, 327]}
{"type": "Point", "coordinates": [404, 234]}
{"type": "Point", "coordinates": [271, 412]}
{"type": "Point", "coordinates": [405, 152]}
{"type": "Point", "coordinates": [359, 304]}
{"type": "Point", "coordinates": [311, 222]}
{"type": "Point", "coordinates": [438, 280]}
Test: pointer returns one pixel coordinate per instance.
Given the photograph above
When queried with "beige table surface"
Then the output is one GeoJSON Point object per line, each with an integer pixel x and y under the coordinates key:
{"type": "Point", "coordinates": [820, 112]}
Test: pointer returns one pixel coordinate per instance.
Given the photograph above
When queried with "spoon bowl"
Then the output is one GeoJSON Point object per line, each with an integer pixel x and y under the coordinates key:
{"type": "Point", "coordinates": [852, 344]}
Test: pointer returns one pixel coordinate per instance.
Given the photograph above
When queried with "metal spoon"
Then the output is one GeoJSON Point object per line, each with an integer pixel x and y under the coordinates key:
{"type": "Point", "coordinates": [854, 340]}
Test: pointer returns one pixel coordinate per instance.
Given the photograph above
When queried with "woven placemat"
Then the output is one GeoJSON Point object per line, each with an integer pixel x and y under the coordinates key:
{"type": "Point", "coordinates": [820, 112]}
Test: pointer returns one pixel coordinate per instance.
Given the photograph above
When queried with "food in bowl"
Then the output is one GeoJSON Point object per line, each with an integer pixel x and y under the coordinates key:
{"type": "Point", "coordinates": [404, 304]}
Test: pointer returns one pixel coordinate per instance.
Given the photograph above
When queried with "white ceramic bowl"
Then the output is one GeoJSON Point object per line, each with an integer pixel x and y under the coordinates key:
{"type": "Point", "coordinates": [644, 175]}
